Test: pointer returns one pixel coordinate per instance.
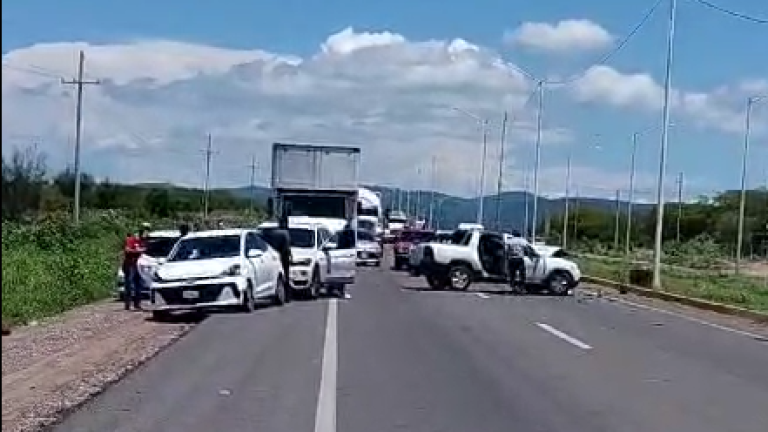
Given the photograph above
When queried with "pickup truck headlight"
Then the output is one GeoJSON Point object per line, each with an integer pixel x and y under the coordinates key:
{"type": "Point", "coordinates": [233, 270]}
{"type": "Point", "coordinates": [302, 262]}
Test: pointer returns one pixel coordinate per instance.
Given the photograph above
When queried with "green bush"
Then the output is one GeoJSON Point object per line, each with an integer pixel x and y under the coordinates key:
{"type": "Point", "coordinates": [50, 266]}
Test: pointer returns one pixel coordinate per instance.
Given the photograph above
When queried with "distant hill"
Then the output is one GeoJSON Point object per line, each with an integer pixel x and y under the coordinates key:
{"type": "Point", "coordinates": [451, 210]}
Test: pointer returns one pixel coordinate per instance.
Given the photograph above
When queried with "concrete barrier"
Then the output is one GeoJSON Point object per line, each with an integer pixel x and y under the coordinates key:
{"type": "Point", "coordinates": [722, 308]}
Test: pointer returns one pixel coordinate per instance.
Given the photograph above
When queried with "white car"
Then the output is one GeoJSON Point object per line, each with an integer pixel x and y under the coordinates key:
{"type": "Point", "coordinates": [159, 245]}
{"type": "Point", "coordinates": [479, 255]}
{"type": "Point", "coordinates": [218, 268]}
{"type": "Point", "coordinates": [369, 251]}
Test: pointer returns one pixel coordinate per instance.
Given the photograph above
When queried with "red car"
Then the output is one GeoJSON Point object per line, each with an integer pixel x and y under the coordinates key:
{"type": "Point", "coordinates": [405, 241]}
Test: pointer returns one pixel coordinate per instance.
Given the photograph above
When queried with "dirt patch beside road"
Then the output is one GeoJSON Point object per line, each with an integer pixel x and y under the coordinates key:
{"type": "Point", "coordinates": [52, 366]}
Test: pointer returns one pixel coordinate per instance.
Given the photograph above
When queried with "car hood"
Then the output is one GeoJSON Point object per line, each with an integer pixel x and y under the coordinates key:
{"type": "Point", "coordinates": [302, 253]}
{"type": "Point", "coordinates": [193, 269]}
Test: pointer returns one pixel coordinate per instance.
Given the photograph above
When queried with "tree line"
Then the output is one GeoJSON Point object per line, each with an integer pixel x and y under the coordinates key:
{"type": "Point", "coordinates": [30, 187]}
{"type": "Point", "coordinates": [712, 219]}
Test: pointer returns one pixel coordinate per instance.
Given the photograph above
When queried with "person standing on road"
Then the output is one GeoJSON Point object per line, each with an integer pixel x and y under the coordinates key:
{"type": "Point", "coordinates": [281, 241]}
{"type": "Point", "coordinates": [516, 247]}
{"type": "Point", "coordinates": [135, 246]}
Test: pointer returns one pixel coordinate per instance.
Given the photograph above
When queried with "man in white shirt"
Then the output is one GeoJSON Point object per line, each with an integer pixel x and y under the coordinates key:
{"type": "Point", "coordinates": [516, 247]}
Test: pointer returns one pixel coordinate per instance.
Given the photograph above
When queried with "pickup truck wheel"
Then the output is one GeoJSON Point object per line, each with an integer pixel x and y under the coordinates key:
{"type": "Point", "coordinates": [559, 283]}
{"type": "Point", "coordinates": [460, 277]}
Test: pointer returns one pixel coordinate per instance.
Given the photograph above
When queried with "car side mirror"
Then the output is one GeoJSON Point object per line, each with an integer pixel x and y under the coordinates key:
{"type": "Point", "coordinates": [255, 253]}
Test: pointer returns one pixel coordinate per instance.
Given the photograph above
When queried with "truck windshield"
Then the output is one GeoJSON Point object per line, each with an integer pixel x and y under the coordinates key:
{"type": "Point", "coordinates": [460, 237]}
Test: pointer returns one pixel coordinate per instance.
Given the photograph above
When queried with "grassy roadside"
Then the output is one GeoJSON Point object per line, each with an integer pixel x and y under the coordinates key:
{"type": "Point", "coordinates": [747, 292]}
{"type": "Point", "coordinates": [51, 266]}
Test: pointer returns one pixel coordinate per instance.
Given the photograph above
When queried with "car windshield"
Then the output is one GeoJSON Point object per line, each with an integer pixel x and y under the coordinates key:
{"type": "Point", "coordinates": [416, 236]}
{"type": "Point", "coordinates": [160, 247]}
{"type": "Point", "coordinates": [300, 237]}
{"type": "Point", "coordinates": [202, 248]}
{"type": "Point", "coordinates": [365, 236]}
{"type": "Point", "coordinates": [460, 237]}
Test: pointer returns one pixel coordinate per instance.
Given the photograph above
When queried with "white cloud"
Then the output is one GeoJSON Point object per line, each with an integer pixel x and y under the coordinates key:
{"type": "Point", "coordinates": [720, 109]}
{"type": "Point", "coordinates": [562, 37]}
{"type": "Point", "coordinates": [392, 96]}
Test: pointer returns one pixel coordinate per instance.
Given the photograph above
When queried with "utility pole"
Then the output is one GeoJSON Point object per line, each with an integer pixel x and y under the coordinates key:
{"type": "Point", "coordinates": [418, 195]}
{"type": "Point", "coordinates": [207, 184]}
{"type": "Point", "coordinates": [539, 122]}
{"type": "Point", "coordinates": [432, 193]}
{"type": "Point", "coordinates": [663, 147]}
{"type": "Point", "coordinates": [617, 222]}
{"type": "Point", "coordinates": [480, 205]}
{"type": "Point", "coordinates": [526, 199]}
{"type": "Point", "coordinates": [79, 83]}
{"type": "Point", "coordinates": [744, 167]}
{"type": "Point", "coordinates": [253, 166]}
{"type": "Point", "coordinates": [679, 203]}
{"type": "Point", "coordinates": [631, 198]}
{"type": "Point", "coordinates": [500, 181]}
{"type": "Point", "coordinates": [566, 211]}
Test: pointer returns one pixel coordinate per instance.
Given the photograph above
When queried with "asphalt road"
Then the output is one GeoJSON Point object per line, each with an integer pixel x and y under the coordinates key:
{"type": "Point", "coordinates": [396, 357]}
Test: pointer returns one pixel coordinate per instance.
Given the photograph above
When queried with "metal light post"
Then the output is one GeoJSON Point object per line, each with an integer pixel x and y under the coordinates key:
{"type": "Point", "coordinates": [663, 147]}
{"type": "Point", "coordinates": [537, 163]}
{"type": "Point", "coordinates": [751, 101]}
{"type": "Point", "coordinates": [484, 125]}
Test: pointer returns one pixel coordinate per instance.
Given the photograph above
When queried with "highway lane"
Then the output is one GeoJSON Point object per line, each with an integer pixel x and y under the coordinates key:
{"type": "Point", "coordinates": [397, 357]}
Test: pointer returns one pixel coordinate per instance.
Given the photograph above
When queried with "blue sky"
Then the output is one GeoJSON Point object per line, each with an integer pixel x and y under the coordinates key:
{"type": "Point", "coordinates": [712, 51]}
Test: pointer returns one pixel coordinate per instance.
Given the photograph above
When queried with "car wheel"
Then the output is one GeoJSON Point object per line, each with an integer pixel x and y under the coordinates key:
{"type": "Point", "coordinates": [313, 291]}
{"type": "Point", "coordinates": [559, 283]}
{"type": "Point", "coordinates": [460, 277]}
{"type": "Point", "coordinates": [249, 302]}
{"type": "Point", "coordinates": [279, 298]}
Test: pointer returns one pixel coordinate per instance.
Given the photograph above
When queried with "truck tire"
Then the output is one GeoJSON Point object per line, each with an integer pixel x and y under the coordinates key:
{"type": "Point", "coordinates": [460, 277]}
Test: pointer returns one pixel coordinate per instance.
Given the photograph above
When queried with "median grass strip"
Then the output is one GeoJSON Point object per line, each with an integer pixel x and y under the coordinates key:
{"type": "Point", "coordinates": [742, 291]}
{"type": "Point", "coordinates": [50, 266]}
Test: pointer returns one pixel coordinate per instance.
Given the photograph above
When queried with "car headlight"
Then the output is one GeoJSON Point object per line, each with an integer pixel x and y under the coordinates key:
{"type": "Point", "coordinates": [233, 270]}
{"type": "Point", "coordinates": [302, 262]}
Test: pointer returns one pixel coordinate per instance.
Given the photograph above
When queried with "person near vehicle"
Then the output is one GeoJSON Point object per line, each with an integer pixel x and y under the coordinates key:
{"type": "Point", "coordinates": [280, 240]}
{"type": "Point", "coordinates": [516, 247]}
{"type": "Point", "coordinates": [184, 229]}
{"type": "Point", "coordinates": [135, 246]}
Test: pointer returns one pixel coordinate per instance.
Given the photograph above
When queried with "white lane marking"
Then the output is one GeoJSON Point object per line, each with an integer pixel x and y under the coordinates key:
{"type": "Point", "coordinates": [692, 319]}
{"type": "Point", "coordinates": [570, 339]}
{"type": "Point", "coordinates": [483, 295]}
{"type": "Point", "coordinates": [325, 416]}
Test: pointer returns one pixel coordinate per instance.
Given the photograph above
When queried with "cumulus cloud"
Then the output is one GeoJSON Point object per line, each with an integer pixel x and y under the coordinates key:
{"type": "Point", "coordinates": [562, 37]}
{"type": "Point", "coordinates": [148, 119]}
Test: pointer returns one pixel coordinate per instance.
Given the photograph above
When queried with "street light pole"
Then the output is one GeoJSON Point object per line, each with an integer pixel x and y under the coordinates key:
{"type": "Point", "coordinates": [566, 212]}
{"type": "Point", "coordinates": [663, 148]}
{"type": "Point", "coordinates": [751, 101]}
{"type": "Point", "coordinates": [631, 197]}
{"type": "Point", "coordinates": [484, 125]}
{"type": "Point", "coordinates": [537, 162]}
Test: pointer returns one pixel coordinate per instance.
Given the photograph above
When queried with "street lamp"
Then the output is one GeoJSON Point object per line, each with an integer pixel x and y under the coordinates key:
{"type": "Point", "coordinates": [484, 126]}
{"type": "Point", "coordinates": [567, 205]}
{"type": "Point", "coordinates": [751, 101]}
{"type": "Point", "coordinates": [631, 198]}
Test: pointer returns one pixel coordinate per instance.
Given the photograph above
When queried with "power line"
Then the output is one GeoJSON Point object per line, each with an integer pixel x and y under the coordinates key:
{"type": "Point", "coordinates": [622, 44]}
{"type": "Point", "coordinates": [739, 15]}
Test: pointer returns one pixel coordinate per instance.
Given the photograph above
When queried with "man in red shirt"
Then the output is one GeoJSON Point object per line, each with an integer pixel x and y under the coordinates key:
{"type": "Point", "coordinates": [135, 245]}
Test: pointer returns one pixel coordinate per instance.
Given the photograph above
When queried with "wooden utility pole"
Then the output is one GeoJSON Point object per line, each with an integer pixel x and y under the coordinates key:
{"type": "Point", "coordinates": [79, 82]}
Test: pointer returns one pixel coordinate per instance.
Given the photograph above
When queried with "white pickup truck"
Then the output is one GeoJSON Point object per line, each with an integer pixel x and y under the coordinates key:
{"type": "Point", "coordinates": [473, 255]}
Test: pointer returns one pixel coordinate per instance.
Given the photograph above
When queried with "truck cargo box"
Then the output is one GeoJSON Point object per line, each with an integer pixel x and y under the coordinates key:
{"type": "Point", "coordinates": [315, 167]}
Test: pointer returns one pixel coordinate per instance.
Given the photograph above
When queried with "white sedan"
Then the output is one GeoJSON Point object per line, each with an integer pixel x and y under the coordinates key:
{"type": "Point", "coordinates": [218, 268]}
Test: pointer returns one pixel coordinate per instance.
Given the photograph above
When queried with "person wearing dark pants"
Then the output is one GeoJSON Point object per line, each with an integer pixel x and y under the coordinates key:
{"type": "Point", "coordinates": [516, 261]}
{"type": "Point", "coordinates": [134, 248]}
{"type": "Point", "coordinates": [282, 244]}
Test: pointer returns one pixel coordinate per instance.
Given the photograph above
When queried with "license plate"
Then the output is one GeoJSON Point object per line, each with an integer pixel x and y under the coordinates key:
{"type": "Point", "coordinates": [190, 294]}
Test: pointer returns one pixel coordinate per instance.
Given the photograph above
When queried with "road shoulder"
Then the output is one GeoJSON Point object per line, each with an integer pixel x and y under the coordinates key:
{"type": "Point", "coordinates": [55, 365]}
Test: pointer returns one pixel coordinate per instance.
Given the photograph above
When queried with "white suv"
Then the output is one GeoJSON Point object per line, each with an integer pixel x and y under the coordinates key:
{"type": "Point", "coordinates": [316, 263]}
